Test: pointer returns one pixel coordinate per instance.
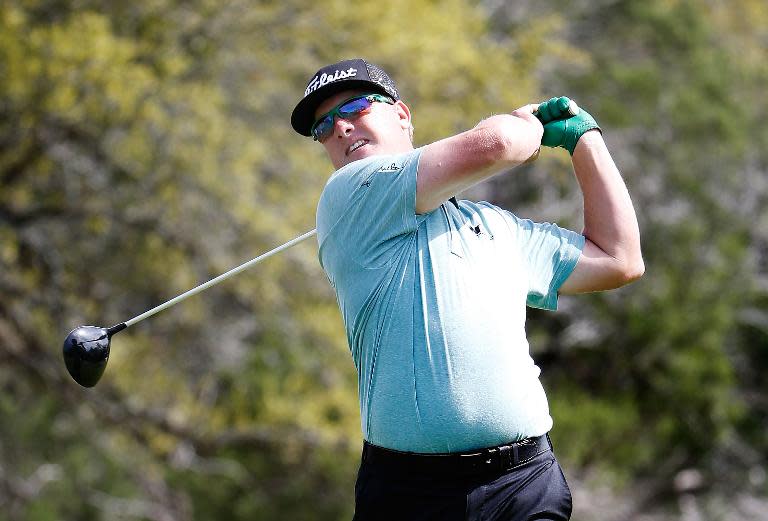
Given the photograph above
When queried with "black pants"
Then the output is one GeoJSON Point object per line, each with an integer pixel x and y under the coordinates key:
{"type": "Point", "coordinates": [531, 489]}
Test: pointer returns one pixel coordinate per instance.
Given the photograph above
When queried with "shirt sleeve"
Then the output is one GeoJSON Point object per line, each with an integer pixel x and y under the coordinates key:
{"type": "Point", "coordinates": [551, 253]}
{"type": "Point", "coordinates": [368, 208]}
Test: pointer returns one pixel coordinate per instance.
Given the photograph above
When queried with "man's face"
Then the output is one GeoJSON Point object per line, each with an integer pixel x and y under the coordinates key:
{"type": "Point", "coordinates": [382, 130]}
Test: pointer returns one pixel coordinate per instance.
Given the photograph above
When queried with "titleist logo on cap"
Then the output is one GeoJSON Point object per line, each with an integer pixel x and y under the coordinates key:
{"type": "Point", "coordinates": [325, 79]}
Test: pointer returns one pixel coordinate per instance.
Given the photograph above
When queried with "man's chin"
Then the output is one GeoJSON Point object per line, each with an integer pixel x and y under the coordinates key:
{"type": "Point", "coordinates": [357, 154]}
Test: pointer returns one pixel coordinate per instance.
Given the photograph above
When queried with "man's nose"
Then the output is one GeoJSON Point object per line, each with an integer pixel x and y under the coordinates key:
{"type": "Point", "coordinates": [343, 127]}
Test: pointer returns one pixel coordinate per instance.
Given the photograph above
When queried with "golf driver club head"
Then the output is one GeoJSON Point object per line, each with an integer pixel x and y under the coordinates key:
{"type": "Point", "coordinates": [86, 348]}
{"type": "Point", "coordinates": [86, 351]}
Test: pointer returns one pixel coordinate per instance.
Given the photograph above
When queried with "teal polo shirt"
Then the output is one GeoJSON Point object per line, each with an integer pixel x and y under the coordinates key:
{"type": "Point", "coordinates": [434, 308]}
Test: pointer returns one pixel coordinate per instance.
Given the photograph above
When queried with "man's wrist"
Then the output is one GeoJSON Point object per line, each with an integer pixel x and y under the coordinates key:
{"type": "Point", "coordinates": [591, 137]}
{"type": "Point", "coordinates": [591, 141]}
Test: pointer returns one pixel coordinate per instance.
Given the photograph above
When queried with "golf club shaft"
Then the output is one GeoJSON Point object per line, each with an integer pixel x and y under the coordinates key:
{"type": "Point", "coordinates": [212, 282]}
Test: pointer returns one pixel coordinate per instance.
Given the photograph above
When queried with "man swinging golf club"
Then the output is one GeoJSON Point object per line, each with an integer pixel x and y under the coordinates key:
{"type": "Point", "coordinates": [433, 293]}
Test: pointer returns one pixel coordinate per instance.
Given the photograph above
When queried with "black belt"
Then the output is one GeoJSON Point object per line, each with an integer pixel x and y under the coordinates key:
{"type": "Point", "coordinates": [493, 459]}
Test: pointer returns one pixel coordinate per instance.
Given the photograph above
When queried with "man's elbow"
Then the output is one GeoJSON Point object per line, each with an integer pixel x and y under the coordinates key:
{"type": "Point", "coordinates": [511, 139]}
{"type": "Point", "coordinates": [629, 271]}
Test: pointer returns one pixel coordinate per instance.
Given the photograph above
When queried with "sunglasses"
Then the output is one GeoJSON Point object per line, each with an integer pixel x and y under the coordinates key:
{"type": "Point", "coordinates": [349, 109]}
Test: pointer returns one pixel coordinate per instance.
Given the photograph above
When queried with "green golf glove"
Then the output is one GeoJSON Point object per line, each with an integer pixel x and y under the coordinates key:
{"type": "Point", "coordinates": [560, 128]}
{"type": "Point", "coordinates": [555, 108]}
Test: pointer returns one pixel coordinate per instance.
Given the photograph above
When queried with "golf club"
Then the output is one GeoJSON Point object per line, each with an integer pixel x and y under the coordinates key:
{"type": "Point", "coordinates": [86, 348]}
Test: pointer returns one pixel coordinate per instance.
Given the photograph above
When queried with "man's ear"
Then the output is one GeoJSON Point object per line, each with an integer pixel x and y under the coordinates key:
{"type": "Point", "coordinates": [404, 113]}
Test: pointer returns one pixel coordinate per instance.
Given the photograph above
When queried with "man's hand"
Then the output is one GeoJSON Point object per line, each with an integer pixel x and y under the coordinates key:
{"type": "Point", "coordinates": [556, 108]}
{"type": "Point", "coordinates": [564, 123]}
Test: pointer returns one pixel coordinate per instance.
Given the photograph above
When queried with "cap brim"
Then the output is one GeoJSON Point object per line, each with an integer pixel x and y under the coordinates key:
{"type": "Point", "coordinates": [303, 116]}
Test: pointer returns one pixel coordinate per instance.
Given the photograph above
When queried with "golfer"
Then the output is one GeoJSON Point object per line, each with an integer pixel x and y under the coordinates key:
{"type": "Point", "coordinates": [433, 293]}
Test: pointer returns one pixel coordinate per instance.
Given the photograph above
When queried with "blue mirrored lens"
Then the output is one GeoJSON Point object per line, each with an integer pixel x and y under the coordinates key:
{"type": "Point", "coordinates": [324, 126]}
{"type": "Point", "coordinates": [356, 106]}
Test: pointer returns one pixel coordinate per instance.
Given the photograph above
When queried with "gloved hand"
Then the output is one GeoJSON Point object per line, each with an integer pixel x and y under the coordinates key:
{"type": "Point", "coordinates": [555, 108]}
{"type": "Point", "coordinates": [564, 123]}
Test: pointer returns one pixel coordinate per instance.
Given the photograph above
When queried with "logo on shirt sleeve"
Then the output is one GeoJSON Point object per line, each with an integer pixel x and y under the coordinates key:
{"type": "Point", "coordinates": [386, 169]}
{"type": "Point", "coordinates": [394, 167]}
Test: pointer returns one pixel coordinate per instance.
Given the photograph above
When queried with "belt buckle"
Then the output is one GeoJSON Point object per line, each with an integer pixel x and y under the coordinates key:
{"type": "Point", "coordinates": [508, 456]}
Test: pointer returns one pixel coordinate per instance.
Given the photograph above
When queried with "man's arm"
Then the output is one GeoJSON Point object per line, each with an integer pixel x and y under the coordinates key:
{"type": "Point", "coordinates": [611, 256]}
{"type": "Point", "coordinates": [448, 166]}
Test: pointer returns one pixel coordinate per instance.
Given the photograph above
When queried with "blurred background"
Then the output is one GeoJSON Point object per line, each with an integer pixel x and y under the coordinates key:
{"type": "Point", "coordinates": [145, 147]}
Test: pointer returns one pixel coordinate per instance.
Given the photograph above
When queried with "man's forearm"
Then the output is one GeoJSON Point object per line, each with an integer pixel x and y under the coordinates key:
{"type": "Point", "coordinates": [451, 165]}
{"type": "Point", "coordinates": [609, 217]}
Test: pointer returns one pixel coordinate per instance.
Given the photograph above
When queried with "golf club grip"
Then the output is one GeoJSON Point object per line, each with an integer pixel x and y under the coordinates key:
{"type": "Point", "coordinates": [214, 281]}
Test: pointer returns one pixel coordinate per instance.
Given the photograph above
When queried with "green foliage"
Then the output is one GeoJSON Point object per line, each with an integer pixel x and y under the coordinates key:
{"type": "Point", "coordinates": [591, 427]}
{"type": "Point", "coordinates": [657, 372]}
{"type": "Point", "coordinates": [145, 147]}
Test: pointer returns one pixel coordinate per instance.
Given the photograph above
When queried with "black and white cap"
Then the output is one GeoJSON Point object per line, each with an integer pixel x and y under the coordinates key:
{"type": "Point", "coordinates": [344, 75]}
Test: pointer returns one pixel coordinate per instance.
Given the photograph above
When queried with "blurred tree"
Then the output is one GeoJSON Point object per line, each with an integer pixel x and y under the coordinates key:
{"type": "Point", "coordinates": [660, 377]}
{"type": "Point", "coordinates": [145, 147]}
